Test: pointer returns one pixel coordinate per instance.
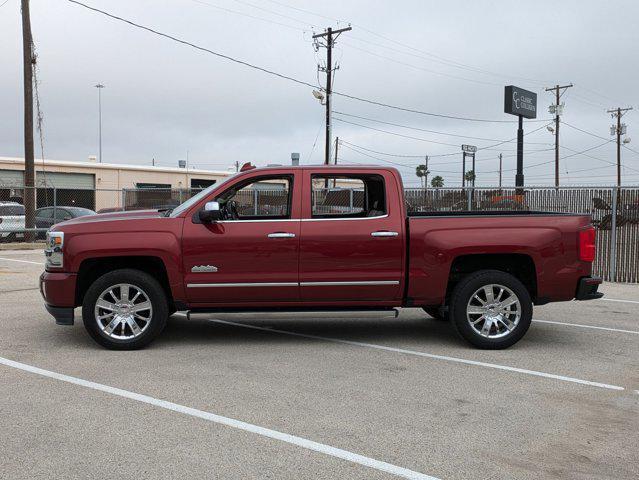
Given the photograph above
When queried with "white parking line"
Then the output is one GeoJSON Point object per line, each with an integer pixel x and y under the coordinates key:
{"type": "Point", "coordinates": [618, 300]}
{"type": "Point", "coordinates": [609, 329]}
{"type": "Point", "coordinates": [229, 422]}
{"type": "Point", "coordinates": [428, 355]}
{"type": "Point", "coordinates": [21, 261]}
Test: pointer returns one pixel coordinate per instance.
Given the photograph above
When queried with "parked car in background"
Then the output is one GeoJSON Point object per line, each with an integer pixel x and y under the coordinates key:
{"type": "Point", "coordinates": [11, 219]}
{"type": "Point", "coordinates": [46, 217]}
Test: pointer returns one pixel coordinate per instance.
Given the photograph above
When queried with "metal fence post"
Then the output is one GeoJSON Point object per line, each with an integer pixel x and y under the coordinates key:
{"type": "Point", "coordinates": [470, 199]}
{"type": "Point", "coordinates": [55, 202]}
{"type": "Point", "coordinates": [255, 200]}
{"type": "Point", "coordinates": [613, 236]}
{"type": "Point", "coordinates": [123, 199]}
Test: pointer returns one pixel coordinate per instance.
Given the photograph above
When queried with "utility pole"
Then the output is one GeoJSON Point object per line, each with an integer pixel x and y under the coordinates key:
{"type": "Point", "coordinates": [557, 109]}
{"type": "Point", "coordinates": [336, 144]}
{"type": "Point", "coordinates": [619, 130]}
{"type": "Point", "coordinates": [29, 167]}
{"type": "Point", "coordinates": [426, 172]}
{"type": "Point", "coordinates": [500, 171]}
{"type": "Point", "coordinates": [99, 86]}
{"type": "Point", "coordinates": [331, 35]}
{"type": "Point", "coordinates": [463, 169]}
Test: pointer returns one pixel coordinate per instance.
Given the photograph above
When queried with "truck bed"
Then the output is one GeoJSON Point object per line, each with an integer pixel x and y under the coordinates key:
{"type": "Point", "coordinates": [546, 240]}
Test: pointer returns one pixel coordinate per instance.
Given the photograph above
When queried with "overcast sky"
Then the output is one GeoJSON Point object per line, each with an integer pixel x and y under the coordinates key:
{"type": "Point", "coordinates": [163, 99]}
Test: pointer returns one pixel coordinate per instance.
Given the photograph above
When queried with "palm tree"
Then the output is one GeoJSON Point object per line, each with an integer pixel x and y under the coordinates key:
{"type": "Point", "coordinates": [422, 172]}
{"type": "Point", "coordinates": [470, 177]}
{"type": "Point", "coordinates": [437, 182]}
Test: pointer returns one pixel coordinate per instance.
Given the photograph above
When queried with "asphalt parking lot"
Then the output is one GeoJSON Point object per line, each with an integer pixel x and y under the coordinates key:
{"type": "Point", "coordinates": [282, 397]}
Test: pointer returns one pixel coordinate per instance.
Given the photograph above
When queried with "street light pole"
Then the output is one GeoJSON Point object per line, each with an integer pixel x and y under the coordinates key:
{"type": "Point", "coordinates": [99, 86]}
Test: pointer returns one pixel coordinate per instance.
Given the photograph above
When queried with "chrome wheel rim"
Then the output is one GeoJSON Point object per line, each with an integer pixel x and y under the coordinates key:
{"type": "Point", "coordinates": [493, 311]}
{"type": "Point", "coordinates": [123, 311]}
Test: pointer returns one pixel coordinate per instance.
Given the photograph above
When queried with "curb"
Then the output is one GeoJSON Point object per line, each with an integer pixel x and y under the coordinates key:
{"type": "Point", "coordinates": [22, 246]}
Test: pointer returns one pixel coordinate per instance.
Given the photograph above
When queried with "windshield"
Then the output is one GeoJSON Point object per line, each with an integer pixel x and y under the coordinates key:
{"type": "Point", "coordinates": [197, 198]}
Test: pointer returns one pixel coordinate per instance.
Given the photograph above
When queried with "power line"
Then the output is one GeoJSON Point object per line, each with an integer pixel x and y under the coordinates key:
{"type": "Point", "coordinates": [248, 15]}
{"type": "Point", "coordinates": [584, 131]}
{"type": "Point", "coordinates": [430, 141]}
{"type": "Point", "coordinates": [193, 45]}
{"type": "Point", "coordinates": [422, 112]}
{"type": "Point", "coordinates": [426, 130]}
{"type": "Point", "coordinates": [434, 72]}
{"type": "Point", "coordinates": [287, 77]}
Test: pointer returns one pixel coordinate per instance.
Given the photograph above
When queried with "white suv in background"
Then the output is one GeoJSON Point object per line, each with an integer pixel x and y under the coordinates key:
{"type": "Point", "coordinates": [11, 219]}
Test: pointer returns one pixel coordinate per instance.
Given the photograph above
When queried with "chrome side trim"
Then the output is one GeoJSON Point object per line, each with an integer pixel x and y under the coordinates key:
{"type": "Point", "coordinates": [301, 219]}
{"type": "Point", "coordinates": [293, 284]}
{"type": "Point", "coordinates": [226, 285]}
{"type": "Point", "coordinates": [260, 221]}
{"type": "Point", "coordinates": [342, 219]}
{"type": "Point", "coordinates": [384, 234]}
{"type": "Point", "coordinates": [356, 283]}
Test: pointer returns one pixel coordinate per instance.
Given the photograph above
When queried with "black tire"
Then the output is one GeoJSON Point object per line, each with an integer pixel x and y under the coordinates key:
{"type": "Point", "coordinates": [462, 295]}
{"type": "Point", "coordinates": [437, 313]}
{"type": "Point", "coordinates": [152, 289]}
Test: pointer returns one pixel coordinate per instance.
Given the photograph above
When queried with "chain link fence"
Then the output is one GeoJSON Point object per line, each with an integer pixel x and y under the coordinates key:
{"type": "Point", "coordinates": [614, 211]}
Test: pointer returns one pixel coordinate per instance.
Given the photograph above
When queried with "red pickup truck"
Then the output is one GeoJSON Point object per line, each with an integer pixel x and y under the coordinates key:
{"type": "Point", "coordinates": [317, 238]}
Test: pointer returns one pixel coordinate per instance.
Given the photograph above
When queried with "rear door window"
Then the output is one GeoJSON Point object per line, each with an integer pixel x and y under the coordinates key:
{"type": "Point", "coordinates": [348, 196]}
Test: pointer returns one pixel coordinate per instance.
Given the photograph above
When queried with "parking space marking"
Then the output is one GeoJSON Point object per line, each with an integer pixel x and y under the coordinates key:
{"type": "Point", "coordinates": [21, 261]}
{"type": "Point", "coordinates": [229, 422]}
{"type": "Point", "coordinates": [618, 300]}
{"type": "Point", "coordinates": [447, 358]}
{"type": "Point", "coordinates": [609, 329]}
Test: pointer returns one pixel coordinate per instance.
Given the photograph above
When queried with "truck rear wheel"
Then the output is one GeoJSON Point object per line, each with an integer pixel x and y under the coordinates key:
{"type": "Point", "coordinates": [125, 309]}
{"type": "Point", "coordinates": [491, 309]}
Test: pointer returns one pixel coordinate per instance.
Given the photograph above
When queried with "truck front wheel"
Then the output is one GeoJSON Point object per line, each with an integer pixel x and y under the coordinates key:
{"type": "Point", "coordinates": [125, 309]}
{"type": "Point", "coordinates": [491, 309]}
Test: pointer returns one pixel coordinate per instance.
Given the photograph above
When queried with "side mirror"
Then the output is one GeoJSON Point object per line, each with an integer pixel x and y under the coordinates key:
{"type": "Point", "coordinates": [210, 213]}
{"type": "Point", "coordinates": [68, 217]}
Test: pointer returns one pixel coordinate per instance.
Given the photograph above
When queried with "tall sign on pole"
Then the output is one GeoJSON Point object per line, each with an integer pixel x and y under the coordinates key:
{"type": "Point", "coordinates": [467, 150]}
{"type": "Point", "coordinates": [522, 103]}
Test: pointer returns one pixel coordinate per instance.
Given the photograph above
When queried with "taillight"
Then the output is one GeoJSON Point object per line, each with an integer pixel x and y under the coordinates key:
{"type": "Point", "coordinates": [587, 244]}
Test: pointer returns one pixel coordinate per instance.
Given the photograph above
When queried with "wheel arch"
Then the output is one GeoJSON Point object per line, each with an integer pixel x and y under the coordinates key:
{"type": "Point", "coordinates": [521, 266]}
{"type": "Point", "coordinates": [93, 268]}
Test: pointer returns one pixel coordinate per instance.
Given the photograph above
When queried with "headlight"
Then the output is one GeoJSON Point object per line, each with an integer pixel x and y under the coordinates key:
{"type": "Point", "coordinates": [53, 250]}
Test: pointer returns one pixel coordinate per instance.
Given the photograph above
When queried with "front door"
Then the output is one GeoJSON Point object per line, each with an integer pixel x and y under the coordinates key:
{"type": "Point", "coordinates": [252, 255]}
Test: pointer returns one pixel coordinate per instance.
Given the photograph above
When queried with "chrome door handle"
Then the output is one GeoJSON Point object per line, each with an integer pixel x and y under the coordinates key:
{"type": "Point", "coordinates": [281, 235]}
{"type": "Point", "coordinates": [384, 234]}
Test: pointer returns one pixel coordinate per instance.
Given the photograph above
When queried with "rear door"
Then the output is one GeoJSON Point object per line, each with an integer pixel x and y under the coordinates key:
{"type": "Point", "coordinates": [252, 258]}
{"type": "Point", "coordinates": [352, 243]}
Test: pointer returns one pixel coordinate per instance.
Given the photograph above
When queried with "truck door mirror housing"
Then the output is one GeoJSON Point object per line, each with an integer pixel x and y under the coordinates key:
{"type": "Point", "coordinates": [210, 213]}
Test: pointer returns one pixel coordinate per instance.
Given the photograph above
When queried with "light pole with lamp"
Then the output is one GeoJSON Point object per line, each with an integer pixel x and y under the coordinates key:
{"type": "Point", "coordinates": [99, 86]}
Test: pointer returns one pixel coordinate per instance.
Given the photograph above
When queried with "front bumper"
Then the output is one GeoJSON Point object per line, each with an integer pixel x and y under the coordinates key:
{"type": "Point", "coordinates": [62, 315]}
{"type": "Point", "coordinates": [58, 291]}
{"type": "Point", "coordinates": [587, 288]}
